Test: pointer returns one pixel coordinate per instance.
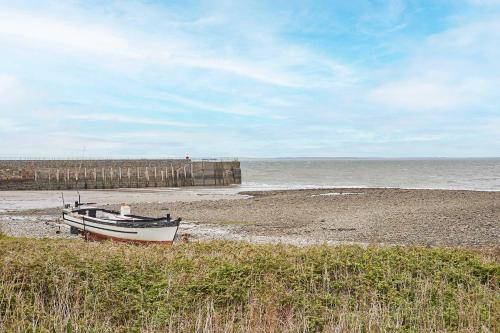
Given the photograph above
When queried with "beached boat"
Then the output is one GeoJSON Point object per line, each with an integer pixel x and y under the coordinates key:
{"type": "Point", "coordinates": [100, 224]}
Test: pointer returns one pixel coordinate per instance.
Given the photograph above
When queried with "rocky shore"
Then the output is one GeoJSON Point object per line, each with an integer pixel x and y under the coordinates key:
{"type": "Point", "coordinates": [365, 216]}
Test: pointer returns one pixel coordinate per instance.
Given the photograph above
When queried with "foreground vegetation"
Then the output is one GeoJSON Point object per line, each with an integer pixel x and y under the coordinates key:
{"type": "Point", "coordinates": [70, 286]}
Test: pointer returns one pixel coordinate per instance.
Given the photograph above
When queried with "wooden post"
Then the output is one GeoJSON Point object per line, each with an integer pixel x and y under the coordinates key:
{"type": "Point", "coordinates": [216, 172]}
{"type": "Point", "coordinates": [103, 176]}
{"type": "Point", "coordinates": [95, 176]}
{"type": "Point", "coordinates": [192, 178]}
{"type": "Point", "coordinates": [185, 177]}
{"type": "Point", "coordinates": [173, 176]}
{"type": "Point", "coordinates": [166, 175]}
{"type": "Point", "coordinates": [137, 174]}
{"type": "Point", "coordinates": [203, 172]}
{"type": "Point", "coordinates": [85, 176]}
{"type": "Point", "coordinates": [162, 176]}
{"type": "Point", "coordinates": [35, 177]}
{"type": "Point", "coordinates": [57, 175]}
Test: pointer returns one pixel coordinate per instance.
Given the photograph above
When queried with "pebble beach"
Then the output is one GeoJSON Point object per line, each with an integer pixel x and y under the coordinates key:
{"type": "Point", "coordinates": [333, 216]}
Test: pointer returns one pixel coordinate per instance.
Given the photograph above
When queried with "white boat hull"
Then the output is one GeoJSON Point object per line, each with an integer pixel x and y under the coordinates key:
{"type": "Point", "coordinates": [98, 231]}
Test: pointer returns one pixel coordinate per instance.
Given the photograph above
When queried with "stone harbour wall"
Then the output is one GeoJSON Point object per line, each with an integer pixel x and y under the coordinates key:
{"type": "Point", "coordinates": [105, 174]}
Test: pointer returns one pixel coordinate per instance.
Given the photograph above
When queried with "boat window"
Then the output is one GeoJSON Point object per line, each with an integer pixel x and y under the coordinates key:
{"type": "Point", "coordinates": [92, 213]}
{"type": "Point", "coordinates": [81, 212]}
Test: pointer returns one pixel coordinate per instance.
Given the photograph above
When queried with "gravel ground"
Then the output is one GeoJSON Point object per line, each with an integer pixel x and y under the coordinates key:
{"type": "Point", "coordinates": [387, 216]}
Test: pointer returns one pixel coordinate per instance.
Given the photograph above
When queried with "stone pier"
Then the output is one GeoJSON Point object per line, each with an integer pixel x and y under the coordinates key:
{"type": "Point", "coordinates": [105, 174]}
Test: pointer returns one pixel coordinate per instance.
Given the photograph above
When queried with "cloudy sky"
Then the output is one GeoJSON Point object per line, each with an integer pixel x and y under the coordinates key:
{"type": "Point", "coordinates": [250, 79]}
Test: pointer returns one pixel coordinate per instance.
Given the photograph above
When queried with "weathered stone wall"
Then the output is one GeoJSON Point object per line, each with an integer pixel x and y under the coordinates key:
{"type": "Point", "coordinates": [99, 174]}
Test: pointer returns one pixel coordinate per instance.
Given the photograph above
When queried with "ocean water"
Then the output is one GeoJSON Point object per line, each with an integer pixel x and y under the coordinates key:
{"type": "Point", "coordinates": [466, 174]}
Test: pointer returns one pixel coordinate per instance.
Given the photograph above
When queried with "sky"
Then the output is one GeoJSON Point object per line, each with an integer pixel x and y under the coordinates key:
{"type": "Point", "coordinates": [250, 79]}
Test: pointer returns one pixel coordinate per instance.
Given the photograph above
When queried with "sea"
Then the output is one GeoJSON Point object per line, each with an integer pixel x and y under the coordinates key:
{"type": "Point", "coordinates": [415, 173]}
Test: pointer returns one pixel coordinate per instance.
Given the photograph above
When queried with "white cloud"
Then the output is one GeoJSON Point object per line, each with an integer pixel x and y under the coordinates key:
{"type": "Point", "coordinates": [352, 134]}
{"type": "Point", "coordinates": [453, 70]}
{"type": "Point", "coordinates": [11, 92]}
{"type": "Point", "coordinates": [254, 70]}
{"type": "Point", "coordinates": [59, 33]}
{"type": "Point", "coordinates": [57, 145]}
{"type": "Point", "coordinates": [478, 38]}
{"type": "Point", "coordinates": [485, 2]}
{"type": "Point", "coordinates": [430, 93]}
{"type": "Point", "coordinates": [7, 82]}
{"type": "Point", "coordinates": [129, 120]}
{"type": "Point", "coordinates": [425, 138]}
{"type": "Point", "coordinates": [177, 48]}
{"type": "Point", "coordinates": [245, 111]}
{"type": "Point", "coordinates": [9, 125]}
{"type": "Point", "coordinates": [383, 19]}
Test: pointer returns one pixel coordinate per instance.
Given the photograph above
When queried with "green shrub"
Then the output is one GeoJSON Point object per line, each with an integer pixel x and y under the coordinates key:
{"type": "Point", "coordinates": [63, 285]}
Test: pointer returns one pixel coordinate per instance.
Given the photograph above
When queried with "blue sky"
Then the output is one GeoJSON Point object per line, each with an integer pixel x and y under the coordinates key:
{"type": "Point", "coordinates": [250, 79]}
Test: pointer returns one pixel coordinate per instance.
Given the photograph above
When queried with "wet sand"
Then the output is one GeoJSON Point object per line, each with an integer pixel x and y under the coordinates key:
{"type": "Point", "coordinates": [365, 216]}
{"type": "Point", "coordinates": [24, 200]}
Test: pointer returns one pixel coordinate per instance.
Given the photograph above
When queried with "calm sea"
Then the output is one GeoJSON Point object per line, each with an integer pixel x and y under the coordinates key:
{"type": "Point", "coordinates": [469, 174]}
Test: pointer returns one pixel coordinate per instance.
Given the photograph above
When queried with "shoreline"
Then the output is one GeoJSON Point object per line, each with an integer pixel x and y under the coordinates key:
{"type": "Point", "coordinates": [428, 217]}
{"type": "Point", "coordinates": [37, 200]}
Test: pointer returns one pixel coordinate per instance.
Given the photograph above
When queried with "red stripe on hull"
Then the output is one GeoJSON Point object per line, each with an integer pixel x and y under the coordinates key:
{"type": "Point", "coordinates": [98, 237]}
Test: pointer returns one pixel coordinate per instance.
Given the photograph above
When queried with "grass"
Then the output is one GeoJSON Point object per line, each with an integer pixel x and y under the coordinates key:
{"type": "Point", "coordinates": [61, 285]}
